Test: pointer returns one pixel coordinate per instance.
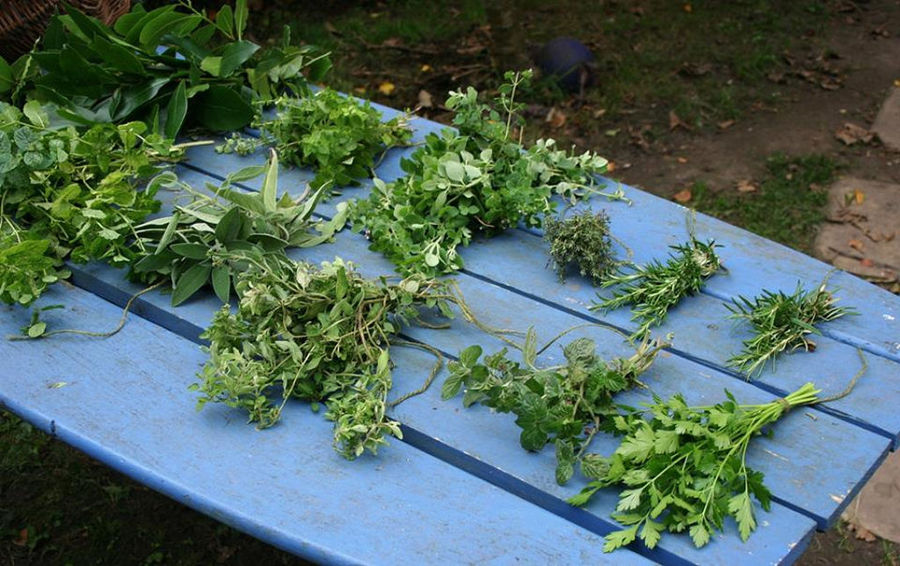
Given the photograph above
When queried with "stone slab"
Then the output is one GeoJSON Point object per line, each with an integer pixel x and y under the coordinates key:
{"type": "Point", "coordinates": [887, 123]}
{"type": "Point", "coordinates": [877, 507]}
{"type": "Point", "coordinates": [862, 234]}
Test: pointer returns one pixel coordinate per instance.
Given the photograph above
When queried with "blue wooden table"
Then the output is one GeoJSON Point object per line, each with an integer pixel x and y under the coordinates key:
{"type": "Point", "coordinates": [458, 488]}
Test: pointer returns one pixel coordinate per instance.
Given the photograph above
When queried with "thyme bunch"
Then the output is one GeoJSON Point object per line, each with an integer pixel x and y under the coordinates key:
{"type": "Point", "coordinates": [781, 322]}
{"type": "Point", "coordinates": [654, 288]}
{"type": "Point", "coordinates": [581, 239]}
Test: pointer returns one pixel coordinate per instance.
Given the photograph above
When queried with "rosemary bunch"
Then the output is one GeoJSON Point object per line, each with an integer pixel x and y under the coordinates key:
{"type": "Point", "coordinates": [781, 322]}
{"type": "Point", "coordinates": [686, 469]}
{"type": "Point", "coordinates": [656, 287]}
{"type": "Point", "coordinates": [565, 404]}
{"type": "Point", "coordinates": [581, 239]}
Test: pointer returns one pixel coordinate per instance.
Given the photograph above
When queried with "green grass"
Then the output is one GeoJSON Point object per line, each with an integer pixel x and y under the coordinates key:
{"type": "Point", "coordinates": [788, 207]}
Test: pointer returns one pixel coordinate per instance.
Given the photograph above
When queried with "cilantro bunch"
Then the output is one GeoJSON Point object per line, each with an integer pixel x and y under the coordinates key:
{"type": "Point", "coordinates": [654, 288]}
{"type": "Point", "coordinates": [338, 136]}
{"type": "Point", "coordinates": [686, 468]}
{"type": "Point", "coordinates": [477, 181]}
{"type": "Point", "coordinates": [781, 322]}
{"type": "Point", "coordinates": [565, 405]}
{"type": "Point", "coordinates": [66, 194]}
{"type": "Point", "coordinates": [318, 334]}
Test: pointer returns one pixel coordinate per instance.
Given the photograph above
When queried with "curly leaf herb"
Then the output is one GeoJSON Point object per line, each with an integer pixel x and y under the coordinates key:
{"type": "Point", "coordinates": [581, 239]}
{"type": "Point", "coordinates": [476, 181]}
{"type": "Point", "coordinates": [656, 287]}
{"type": "Point", "coordinates": [565, 404]}
{"type": "Point", "coordinates": [318, 334]}
{"type": "Point", "coordinates": [338, 136]}
{"type": "Point", "coordinates": [781, 322]}
{"type": "Point", "coordinates": [686, 468]}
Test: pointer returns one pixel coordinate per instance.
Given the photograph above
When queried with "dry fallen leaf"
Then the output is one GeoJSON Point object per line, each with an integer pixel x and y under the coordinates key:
{"type": "Point", "coordinates": [676, 122]}
{"type": "Point", "coordinates": [555, 117]}
{"type": "Point", "coordinates": [726, 124]}
{"type": "Point", "coordinates": [611, 166]}
{"type": "Point", "coordinates": [599, 113]}
{"type": "Point", "coordinates": [682, 196]}
{"type": "Point", "coordinates": [746, 186]}
{"type": "Point", "coordinates": [392, 42]}
{"type": "Point", "coordinates": [425, 68]}
{"type": "Point", "coordinates": [425, 100]}
{"type": "Point", "coordinates": [850, 134]}
{"type": "Point", "coordinates": [866, 262]}
{"type": "Point", "coordinates": [856, 245]}
{"type": "Point", "coordinates": [681, 160]}
{"type": "Point", "coordinates": [688, 8]}
{"type": "Point", "coordinates": [386, 88]}
{"type": "Point", "coordinates": [897, 82]}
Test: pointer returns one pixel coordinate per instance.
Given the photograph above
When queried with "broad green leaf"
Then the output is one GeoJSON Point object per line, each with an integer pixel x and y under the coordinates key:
{"type": "Point", "coordinates": [37, 329]}
{"type": "Point", "coordinates": [234, 55]}
{"type": "Point", "coordinates": [177, 23]}
{"type": "Point", "coordinates": [248, 201]}
{"type": "Point", "coordinates": [451, 386]}
{"type": "Point", "coordinates": [84, 26]}
{"type": "Point", "coordinates": [125, 22]}
{"type": "Point", "coordinates": [134, 97]}
{"type": "Point", "coordinates": [565, 461]}
{"type": "Point", "coordinates": [117, 56]}
{"type": "Point", "coordinates": [221, 281]}
{"type": "Point", "coordinates": [169, 232]}
{"type": "Point", "coordinates": [176, 111]}
{"type": "Point", "coordinates": [189, 283]}
{"type": "Point", "coordinates": [225, 20]}
{"type": "Point", "coordinates": [6, 76]}
{"type": "Point", "coordinates": [245, 174]}
{"type": "Point", "coordinates": [190, 251]}
{"type": "Point", "coordinates": [529, 349]}
{"type": "Point", "coordinates": [469, 356]}
{"type": "Point", "coordinates": [229, 226]}
{"type": "Point", "coordinates": [36, 114]}
{"type": "Point", "coordinates": [221, 109]}
{"type": "Point", "coordinates": [455, 171]}
{"type": "Point", "coordinates": [212, 64]}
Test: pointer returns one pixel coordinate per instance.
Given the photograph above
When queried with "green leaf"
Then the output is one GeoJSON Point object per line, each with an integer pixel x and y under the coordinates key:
{"type": "Point", "coordinates": [126, 101]}
{"type": "Point", "coordinates": [6, 77]}
{"type": "Point", "coordinates": [117, 56]}
{"type": "Point", "coordinates": [169, 232]}
{"type": "Point", "coordinates": [177, 23]}
{"type": "Point", "coordinates": [176, 111]}
{"type": "Point", "coordinates": [618, 539]}
{"type": "Point", "coordinates": [741, 508]}
{"type": "Point", "coordinates": [221, 109]}
{"type": "Point", "coordinates": [127, 21]}
{"type": "Point", "coordinates": [533, 439]}
{"type": "Point", "coordinates": [190, 282]}
{"type": "Point", "coordinates": [190, 251]}
{"type": "Point", "coordinates": [234, 55]}
{"type": "Point", "coordinates": [36, 114]}
{"type": "Point", "coordinates": [221, 281]}
{"type": "Point", "coordinates": [229, 226]}
{"type": "Point", "coordinates": [529, 349]}
{"type": "Point", "coordinates": [269, 191]}
{"type": "Point", "coordinates": [240, 17]}
{"type": "Point", "coordinates": [37, 329]}
{"type": "Point", "coordinates": [651, 533]}
{"type": "Point", "coordinates": [699, 535]}
{"type": "Point", "coordinates": [565, 461]}
{"type": "Point", "coordinates": [469, 356]}
{"type": "Point", "coordinates": [225, 20]}
{"type": "Point", "coordinates": [629, 499]}
{"type": "Point", "coordinates": [451, 386]}
{"type": "Point", "coordinates": [212, 64]}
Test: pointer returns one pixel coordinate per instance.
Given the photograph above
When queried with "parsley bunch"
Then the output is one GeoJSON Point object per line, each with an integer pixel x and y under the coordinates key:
{"type": "Point", "coordinates": [686, 468]}
{"type": "Point", "coordinates": [73, 195]}
{"type": "Point", "coordinates": [781, 322]}
{"type": "Point", "coordinates": [656, 287]}
{"type": "Point", "coordinates": [581, 239]}
{"type": "Point", "coordinates": [338, 136]}
{"type": "Point", "coordinates": [478, 180]}
{"type": "Point", "coordinates": [318, 334]}
{"type": "Point", "coordinates": [565, 404]}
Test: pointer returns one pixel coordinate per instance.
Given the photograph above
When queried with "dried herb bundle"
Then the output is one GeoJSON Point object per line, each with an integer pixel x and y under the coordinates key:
{"type": "Point", "coordinates": [656, 287]}
{"type": "Point", "coordinates": [581, 239]}
{"type": "Point", "coordinates": [781, 322]}
{"type": "Point", "coordinates": [565, 404]}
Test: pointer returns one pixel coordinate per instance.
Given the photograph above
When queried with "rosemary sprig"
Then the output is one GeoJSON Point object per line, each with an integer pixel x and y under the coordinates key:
{"type": "Point", "coordinates": [781, 322]}
{"type": "Point", "coordinates": [656, 287]}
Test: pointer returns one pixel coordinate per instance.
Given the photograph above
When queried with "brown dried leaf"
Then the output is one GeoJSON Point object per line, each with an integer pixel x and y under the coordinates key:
{"type": "Point", "coordinates": [386, 88]}
{"type": "Point", "coordinates": [392, 42]}
{"type": "Point", "coordinates": [856, 245]}
{"type": "Point", "coordinates": [850, 134]}
{"type": "Point", "coordinates": [746, 186]}
{"type": "Point", "coordinates": [425, 100]}
{"type": "Point", "coordinates": [858, 196]}
{"type": "Point", "coordinates": [725, 124]}
{"type": "Point", "coordinates": [676, 122]}
{"type": "Point", "coordinates": [682, 196]}
{"type": "Point", "coordinates": [555, 117]}
{"type": "Point", "coordinates": [681, 160]}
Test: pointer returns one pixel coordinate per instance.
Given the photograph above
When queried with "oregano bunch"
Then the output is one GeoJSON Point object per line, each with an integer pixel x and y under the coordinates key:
{"type": "Point", "coordinates": [581, 239]}
{"type": "Point", "coordinates": [338, 136]}
{"type": "Point", "coordinates": [686, 469]}
{"type": "Point", "coordinates": [78, 191]}
{"type": "Point", "coordinates": [654, 288]}
{"type": "Point", "coordinates": [781, 322]}
{"type": "Point", "coordinates": [565, 405]}
{"type": "Point", "coordinates": [479, 180]}
{"type": "Point", "coordinates": [319, 334]}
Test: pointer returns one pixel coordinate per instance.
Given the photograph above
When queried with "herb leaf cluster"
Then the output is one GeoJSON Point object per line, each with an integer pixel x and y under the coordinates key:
{"type": "Point", "coordinates": [206, 240]}
{"type": "Point", "coordinates": [565, 405]}
{"type": "Point", "coordinates": [581, 239]}
{"type": "Point", "coordinates": [686, 468]}
{"type": "Point", "coordinates": [654, 288]}
{"type": "Point", "coordinates": [70, 195]}
{"type": "Point", "coordinates": [338, 136]}
{"type": "Point", "coordinates": [318, 334]}
{"type": "Point", "coordinates": [781, 322]}
{"type": "Point", "coordinates": [169, 65]}
{"type": "Point", "coordinates": [476, 181]}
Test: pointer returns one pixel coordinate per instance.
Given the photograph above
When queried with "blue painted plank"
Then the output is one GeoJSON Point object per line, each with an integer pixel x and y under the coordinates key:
{"type": "Point", "coordinates": [124, 400]}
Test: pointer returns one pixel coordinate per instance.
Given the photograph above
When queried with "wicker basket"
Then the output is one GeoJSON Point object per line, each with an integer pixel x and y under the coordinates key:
{"type": "Point", "coordinates": [23, 21]}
